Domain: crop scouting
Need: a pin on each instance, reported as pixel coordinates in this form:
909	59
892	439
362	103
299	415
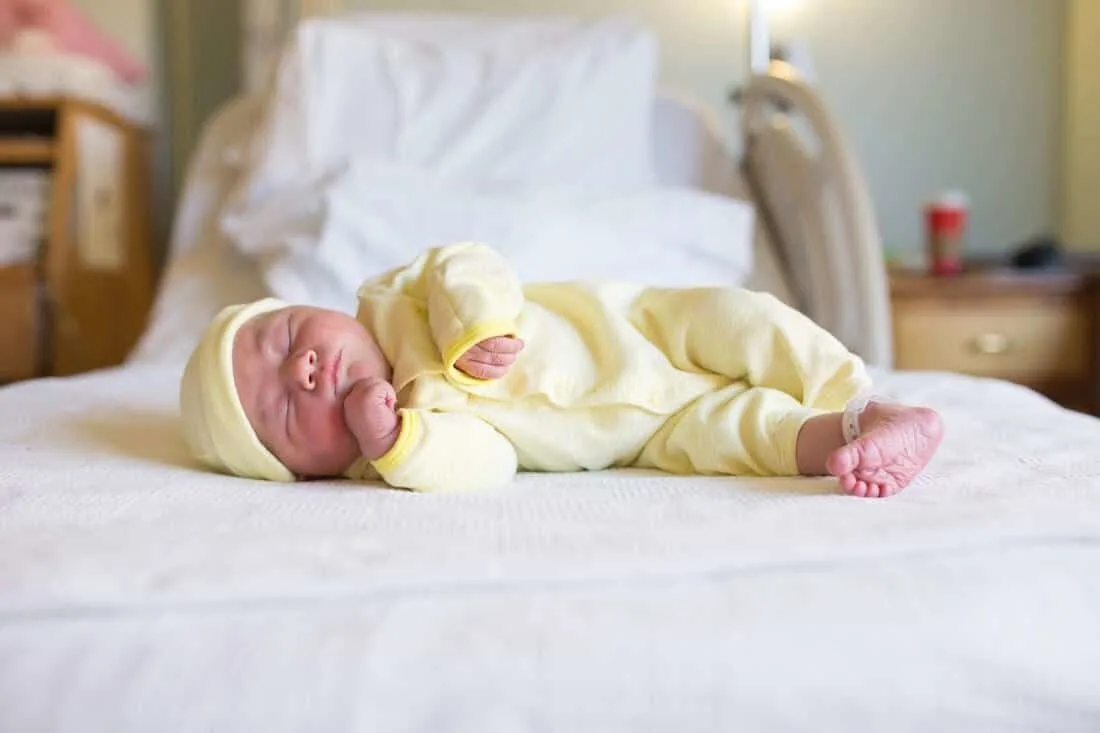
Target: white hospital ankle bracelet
852	411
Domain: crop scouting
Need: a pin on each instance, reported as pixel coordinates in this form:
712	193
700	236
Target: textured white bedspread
138	594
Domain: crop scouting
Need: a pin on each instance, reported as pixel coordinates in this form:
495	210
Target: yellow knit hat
214	422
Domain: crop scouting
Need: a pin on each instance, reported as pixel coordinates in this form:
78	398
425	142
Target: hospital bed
140	594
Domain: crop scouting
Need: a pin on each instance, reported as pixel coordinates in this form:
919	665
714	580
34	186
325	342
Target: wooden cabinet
20	341
80	300
1037	330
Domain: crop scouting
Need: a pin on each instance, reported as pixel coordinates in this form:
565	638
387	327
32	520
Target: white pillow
319	250
554	103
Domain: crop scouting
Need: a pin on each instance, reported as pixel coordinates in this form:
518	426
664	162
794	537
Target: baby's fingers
474	368
484	371
483	365
479	355
502	345
491	358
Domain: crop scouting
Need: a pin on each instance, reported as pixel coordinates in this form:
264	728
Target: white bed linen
386	135
317	250
206	271
138	594
471	97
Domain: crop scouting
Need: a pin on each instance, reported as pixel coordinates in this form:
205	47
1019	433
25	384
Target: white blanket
318	249
139	594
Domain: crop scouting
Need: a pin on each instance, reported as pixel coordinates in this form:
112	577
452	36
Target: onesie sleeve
447	452
469	291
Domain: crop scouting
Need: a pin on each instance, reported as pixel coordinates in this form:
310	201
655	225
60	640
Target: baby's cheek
324	423
343	436
332	422
331	437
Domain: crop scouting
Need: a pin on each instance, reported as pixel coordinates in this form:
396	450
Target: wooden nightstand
1039	330
79	298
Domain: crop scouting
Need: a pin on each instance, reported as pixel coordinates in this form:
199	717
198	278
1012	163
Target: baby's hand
491	358
370	411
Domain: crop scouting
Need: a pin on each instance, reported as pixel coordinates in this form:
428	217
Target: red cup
945	219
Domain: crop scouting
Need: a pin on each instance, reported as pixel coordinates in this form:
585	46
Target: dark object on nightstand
1040	253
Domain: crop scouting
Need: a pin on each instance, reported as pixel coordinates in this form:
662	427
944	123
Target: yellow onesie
705	381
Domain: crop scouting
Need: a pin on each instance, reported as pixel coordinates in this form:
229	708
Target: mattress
138	593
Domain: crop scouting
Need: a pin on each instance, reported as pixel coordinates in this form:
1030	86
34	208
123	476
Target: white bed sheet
139	594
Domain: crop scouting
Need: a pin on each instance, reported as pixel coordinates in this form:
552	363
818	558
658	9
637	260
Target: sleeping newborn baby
453	376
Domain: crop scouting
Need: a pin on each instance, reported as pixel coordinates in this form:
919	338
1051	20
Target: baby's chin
323	467
341	451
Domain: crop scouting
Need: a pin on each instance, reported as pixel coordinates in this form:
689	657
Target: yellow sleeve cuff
471	338
411	429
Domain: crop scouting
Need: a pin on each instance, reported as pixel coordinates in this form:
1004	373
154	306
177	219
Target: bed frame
814	203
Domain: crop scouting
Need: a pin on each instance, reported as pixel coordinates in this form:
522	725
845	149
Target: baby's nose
304	369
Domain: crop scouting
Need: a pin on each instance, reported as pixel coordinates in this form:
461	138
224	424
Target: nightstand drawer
1025	339
18	324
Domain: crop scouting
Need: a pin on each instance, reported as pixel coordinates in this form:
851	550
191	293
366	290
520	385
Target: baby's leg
756	431
753	338
895	443
792	375
736	431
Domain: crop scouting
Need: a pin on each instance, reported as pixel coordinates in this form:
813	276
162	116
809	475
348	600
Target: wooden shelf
99	284
19	314
15	276
15	151
50	102
1039	329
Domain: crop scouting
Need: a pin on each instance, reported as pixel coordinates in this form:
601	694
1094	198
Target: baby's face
292	368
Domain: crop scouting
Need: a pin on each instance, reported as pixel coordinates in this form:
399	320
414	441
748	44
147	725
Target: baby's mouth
333	374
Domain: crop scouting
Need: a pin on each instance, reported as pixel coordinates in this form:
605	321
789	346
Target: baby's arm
472	298
453	452
423	450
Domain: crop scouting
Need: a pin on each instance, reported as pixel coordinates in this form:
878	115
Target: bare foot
896	444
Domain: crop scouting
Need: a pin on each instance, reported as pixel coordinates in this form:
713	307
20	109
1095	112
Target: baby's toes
843	461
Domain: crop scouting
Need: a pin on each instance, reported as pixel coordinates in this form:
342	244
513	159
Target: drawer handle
991	344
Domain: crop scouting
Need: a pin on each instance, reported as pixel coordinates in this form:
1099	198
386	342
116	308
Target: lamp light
763	52
759	17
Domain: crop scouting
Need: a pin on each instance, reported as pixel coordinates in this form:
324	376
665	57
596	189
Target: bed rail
815	204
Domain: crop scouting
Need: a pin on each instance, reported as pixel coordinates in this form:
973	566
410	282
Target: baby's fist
491	358
370	411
